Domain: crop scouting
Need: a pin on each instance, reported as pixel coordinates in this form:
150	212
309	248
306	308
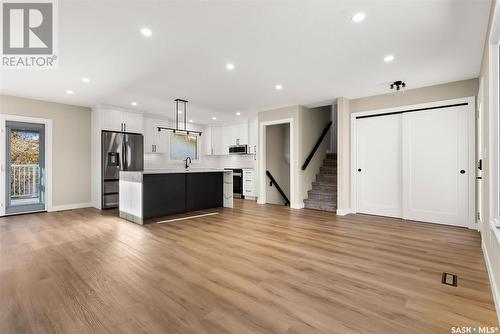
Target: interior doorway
25	180
289	178
278	164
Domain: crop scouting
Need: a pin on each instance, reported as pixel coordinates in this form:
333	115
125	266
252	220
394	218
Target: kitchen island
162	192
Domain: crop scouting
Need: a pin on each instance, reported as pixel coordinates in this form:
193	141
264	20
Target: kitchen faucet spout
187	164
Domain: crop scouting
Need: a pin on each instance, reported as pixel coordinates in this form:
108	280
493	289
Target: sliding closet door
435	166
378	169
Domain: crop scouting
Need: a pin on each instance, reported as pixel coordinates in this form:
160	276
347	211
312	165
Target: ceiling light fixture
238	114
146	32
214	118
398	85
230	67
388	58
133	103
181	125
190	121
85	80
278	87
358	17
70	92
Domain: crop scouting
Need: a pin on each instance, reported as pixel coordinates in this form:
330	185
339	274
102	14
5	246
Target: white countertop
178	171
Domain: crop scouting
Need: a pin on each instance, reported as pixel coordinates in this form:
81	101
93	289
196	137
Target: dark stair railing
273	181
316	146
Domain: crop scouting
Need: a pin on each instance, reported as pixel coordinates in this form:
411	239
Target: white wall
70	146
490	242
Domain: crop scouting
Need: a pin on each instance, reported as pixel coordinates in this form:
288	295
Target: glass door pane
25	162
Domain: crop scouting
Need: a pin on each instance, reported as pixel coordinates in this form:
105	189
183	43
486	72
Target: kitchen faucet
187	165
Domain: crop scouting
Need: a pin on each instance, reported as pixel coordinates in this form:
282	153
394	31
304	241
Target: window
182	146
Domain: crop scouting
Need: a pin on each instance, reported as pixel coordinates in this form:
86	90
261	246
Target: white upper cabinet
219	138
155	141
133	122
207	140
238	134
120	120
218	141
112	120
253	135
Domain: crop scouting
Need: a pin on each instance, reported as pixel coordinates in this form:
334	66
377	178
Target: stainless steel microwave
238	149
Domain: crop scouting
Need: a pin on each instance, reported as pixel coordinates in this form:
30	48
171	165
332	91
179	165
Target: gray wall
71	145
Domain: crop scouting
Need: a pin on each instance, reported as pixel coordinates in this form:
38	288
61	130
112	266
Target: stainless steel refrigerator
120	152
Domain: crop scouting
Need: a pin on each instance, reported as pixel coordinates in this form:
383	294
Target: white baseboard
493	282
70	206
297	205
343	212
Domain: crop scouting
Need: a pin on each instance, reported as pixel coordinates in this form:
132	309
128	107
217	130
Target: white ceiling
312	48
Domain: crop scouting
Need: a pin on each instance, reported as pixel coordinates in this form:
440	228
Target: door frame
262	199
471	100
48	157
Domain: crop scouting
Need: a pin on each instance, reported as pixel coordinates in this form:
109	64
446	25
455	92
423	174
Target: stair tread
322	192
318	201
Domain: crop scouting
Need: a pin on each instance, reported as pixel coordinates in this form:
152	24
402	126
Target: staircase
323	195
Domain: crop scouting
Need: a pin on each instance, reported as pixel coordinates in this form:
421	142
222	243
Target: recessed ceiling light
358	17
133	103
146	32
69	91
190	121
214	118
86	80
179	111
230	66
238	114
278	87
388	58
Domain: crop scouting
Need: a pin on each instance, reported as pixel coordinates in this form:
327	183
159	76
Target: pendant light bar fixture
180	110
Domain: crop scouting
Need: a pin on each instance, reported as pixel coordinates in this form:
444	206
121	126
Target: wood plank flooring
252	269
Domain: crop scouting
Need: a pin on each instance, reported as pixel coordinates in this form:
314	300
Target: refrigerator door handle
124	157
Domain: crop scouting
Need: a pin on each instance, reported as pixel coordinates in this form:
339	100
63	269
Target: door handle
462	171
359	169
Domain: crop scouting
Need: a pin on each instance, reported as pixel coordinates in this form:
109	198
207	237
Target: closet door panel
435	163
378	169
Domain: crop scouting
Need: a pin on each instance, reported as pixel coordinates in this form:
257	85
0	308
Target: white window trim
494	134
198	149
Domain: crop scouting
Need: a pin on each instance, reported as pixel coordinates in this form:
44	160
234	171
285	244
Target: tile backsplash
155	160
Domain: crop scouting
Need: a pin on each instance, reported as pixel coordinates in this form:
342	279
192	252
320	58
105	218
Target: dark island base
169	194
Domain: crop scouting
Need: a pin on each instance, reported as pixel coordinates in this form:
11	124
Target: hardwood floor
252	269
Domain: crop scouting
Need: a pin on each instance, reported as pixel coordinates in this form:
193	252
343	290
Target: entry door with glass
25	167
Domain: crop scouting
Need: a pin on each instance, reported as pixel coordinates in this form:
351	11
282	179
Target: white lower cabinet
248	183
